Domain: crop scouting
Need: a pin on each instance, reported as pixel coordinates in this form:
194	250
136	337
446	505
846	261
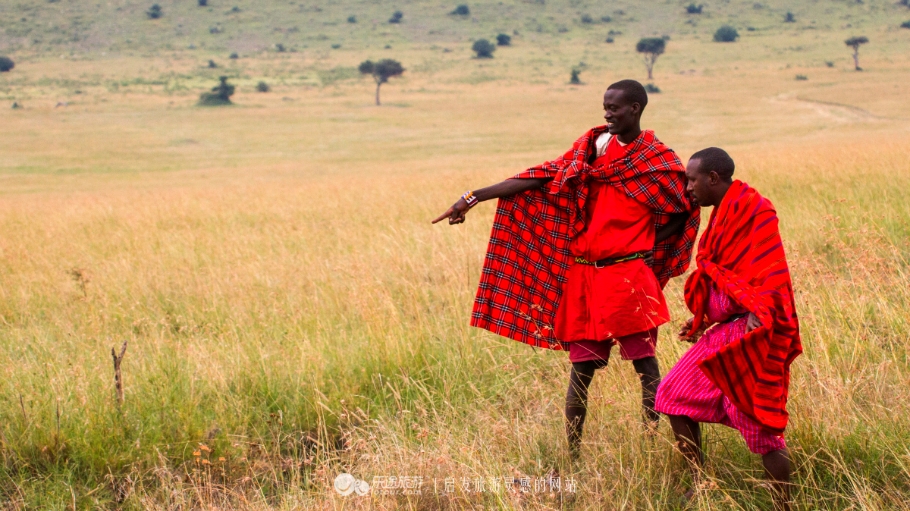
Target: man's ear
713	178
636	108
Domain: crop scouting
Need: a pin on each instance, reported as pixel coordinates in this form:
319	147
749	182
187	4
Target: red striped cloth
742	254
527	258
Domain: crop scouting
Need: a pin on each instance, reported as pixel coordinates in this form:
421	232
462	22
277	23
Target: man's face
698	184
621	116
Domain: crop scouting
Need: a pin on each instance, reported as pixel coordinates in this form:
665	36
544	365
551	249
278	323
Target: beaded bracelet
470	198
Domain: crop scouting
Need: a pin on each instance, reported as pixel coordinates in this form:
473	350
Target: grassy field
290	312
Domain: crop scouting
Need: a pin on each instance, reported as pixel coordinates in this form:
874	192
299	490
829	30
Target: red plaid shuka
527	258
742	254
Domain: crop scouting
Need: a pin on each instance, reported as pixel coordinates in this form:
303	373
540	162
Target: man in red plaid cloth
582	247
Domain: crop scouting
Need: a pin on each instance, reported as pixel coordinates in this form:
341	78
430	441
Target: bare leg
577	401
649	372
688	440
778	467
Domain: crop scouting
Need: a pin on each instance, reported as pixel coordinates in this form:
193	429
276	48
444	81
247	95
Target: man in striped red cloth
738	372
581	249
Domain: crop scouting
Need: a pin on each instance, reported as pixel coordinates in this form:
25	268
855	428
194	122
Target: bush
154	12
220	95
461	10
801	78
653	89
212	64
694	9
483	48
203	3
503	40
610	39
235	9
905	24
726	34
829	63
6	64
575	80
280	48
263	87
336	46
215	30
396	17
586	18
789	18
606	19
234	56
352	19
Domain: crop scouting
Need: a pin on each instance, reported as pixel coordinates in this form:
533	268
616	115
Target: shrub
905	24
586	18
575	80
203	3
381	71
215	30
212	64
610	39
694	9
235	9
483	48
606	19
263	87
789	18
154	12
280	48
462	10
726	34
503	40
352	19
234	56
396	17
829	63
653	89
220	95
6	64
336	46
801	77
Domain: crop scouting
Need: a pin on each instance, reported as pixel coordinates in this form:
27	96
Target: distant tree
212	64
726	34
154	12
461	10
694	9
203	3
263	87
220	95
905	24
483	48
855	42
575	80
651	48
6	64
352	19
503	40
789	18
381	71
396	17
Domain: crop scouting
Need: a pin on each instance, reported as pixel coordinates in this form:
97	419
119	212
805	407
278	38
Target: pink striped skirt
685	390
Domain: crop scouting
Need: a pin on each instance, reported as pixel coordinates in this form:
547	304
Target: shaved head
633	92
717	160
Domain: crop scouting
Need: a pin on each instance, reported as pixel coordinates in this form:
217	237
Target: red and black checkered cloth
742	255
528	255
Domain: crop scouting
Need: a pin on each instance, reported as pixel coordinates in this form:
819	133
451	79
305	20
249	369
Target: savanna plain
290	313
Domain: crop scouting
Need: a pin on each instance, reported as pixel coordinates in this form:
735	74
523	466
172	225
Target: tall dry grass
284	331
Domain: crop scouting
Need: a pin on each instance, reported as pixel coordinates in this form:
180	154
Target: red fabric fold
527	258
742	254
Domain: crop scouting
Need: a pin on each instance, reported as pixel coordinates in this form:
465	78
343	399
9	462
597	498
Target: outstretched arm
457	211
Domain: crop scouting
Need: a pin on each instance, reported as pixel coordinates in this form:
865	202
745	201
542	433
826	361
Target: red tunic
618	300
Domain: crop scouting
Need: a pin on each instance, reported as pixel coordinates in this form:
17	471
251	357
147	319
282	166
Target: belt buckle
597	264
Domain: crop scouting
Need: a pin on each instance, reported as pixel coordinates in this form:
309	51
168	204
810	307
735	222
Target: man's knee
647	366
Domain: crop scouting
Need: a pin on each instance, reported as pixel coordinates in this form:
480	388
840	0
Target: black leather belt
609	261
